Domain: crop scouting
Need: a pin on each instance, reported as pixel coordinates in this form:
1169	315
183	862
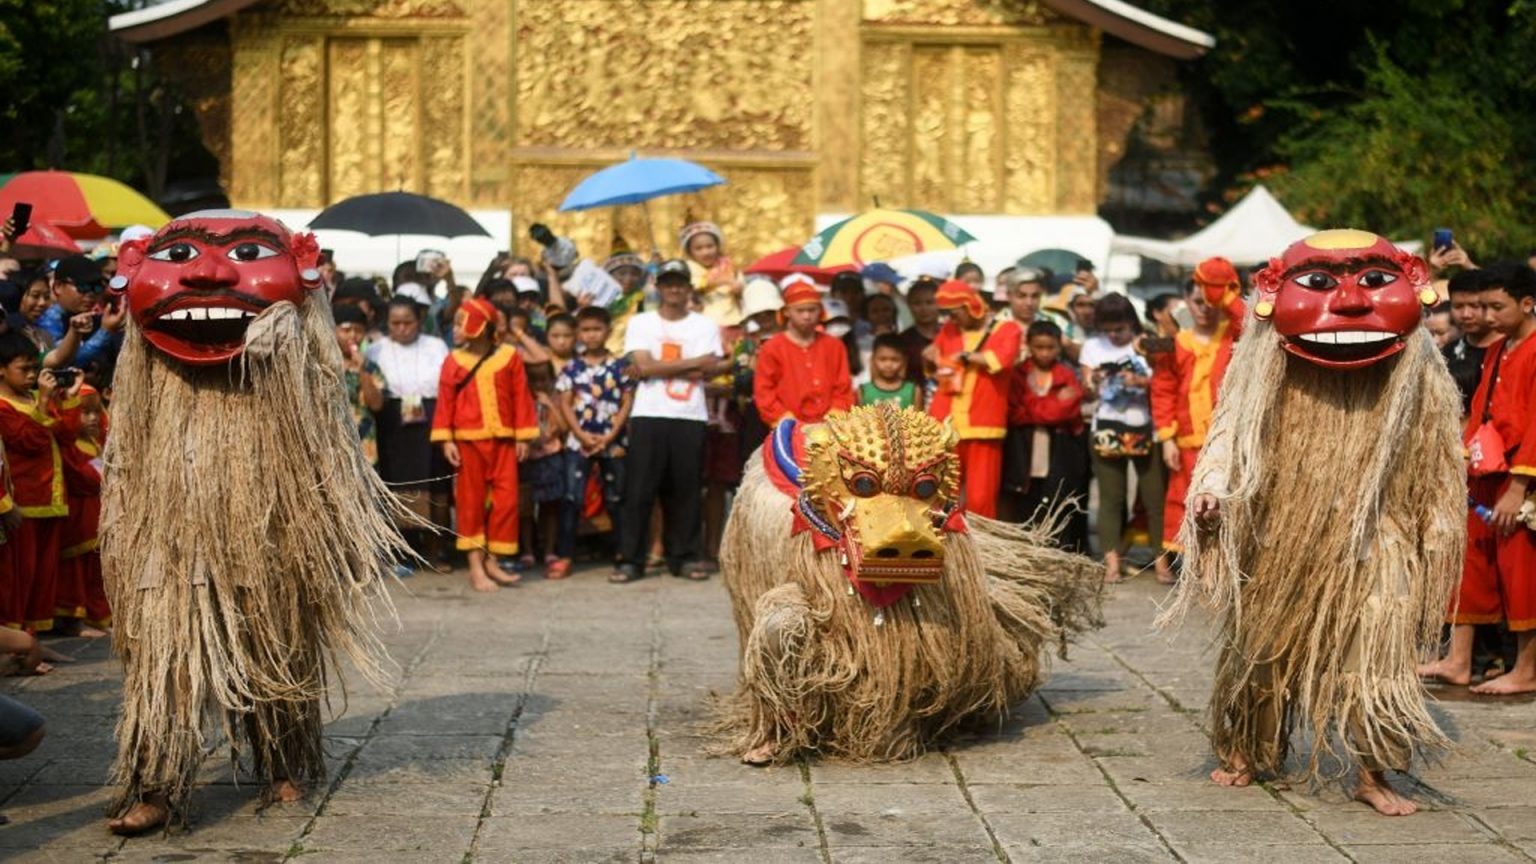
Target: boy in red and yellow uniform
1498	580
1185	380
484	419
801	372
82	597
32	422
973	358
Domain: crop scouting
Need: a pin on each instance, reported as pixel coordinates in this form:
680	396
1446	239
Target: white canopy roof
1255	229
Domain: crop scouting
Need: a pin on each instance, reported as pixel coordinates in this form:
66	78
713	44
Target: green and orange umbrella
880	235
84	206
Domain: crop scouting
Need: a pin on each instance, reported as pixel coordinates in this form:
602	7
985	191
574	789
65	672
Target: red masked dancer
485	419
1499	580
973	358
244	536
1185	380
1325	520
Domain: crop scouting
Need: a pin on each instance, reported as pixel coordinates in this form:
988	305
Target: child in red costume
82	598
34	414
1185	381
1047	460
484	420
801	371
1498	582
973	358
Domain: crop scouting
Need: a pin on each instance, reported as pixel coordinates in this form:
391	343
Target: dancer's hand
1207	508
451	453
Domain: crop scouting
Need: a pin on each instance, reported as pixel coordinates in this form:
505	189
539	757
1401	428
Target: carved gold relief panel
727	74
953	12
256	56
489	44
977	123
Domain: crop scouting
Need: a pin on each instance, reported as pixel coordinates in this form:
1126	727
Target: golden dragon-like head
887	480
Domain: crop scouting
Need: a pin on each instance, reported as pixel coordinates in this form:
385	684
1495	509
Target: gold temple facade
804	106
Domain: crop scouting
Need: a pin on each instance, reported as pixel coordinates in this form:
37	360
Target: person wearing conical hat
715	277
628	269
972	358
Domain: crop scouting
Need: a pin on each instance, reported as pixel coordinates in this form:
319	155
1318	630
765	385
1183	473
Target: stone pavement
559	722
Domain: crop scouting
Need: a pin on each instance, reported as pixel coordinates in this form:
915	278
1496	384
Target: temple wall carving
805	106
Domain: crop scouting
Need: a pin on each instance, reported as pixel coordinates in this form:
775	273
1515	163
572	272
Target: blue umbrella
636	181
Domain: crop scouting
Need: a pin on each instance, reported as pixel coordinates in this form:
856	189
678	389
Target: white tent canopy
1254	230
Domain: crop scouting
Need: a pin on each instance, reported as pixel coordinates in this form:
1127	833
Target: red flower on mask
1342	299
195	286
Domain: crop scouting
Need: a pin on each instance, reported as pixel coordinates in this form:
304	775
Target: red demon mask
196	284
1343	299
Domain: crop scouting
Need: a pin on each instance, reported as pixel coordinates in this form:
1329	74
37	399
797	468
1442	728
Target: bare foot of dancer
284	792
498	575
1507	684
1238	776
1446	672
1164	569
1374	790
150	813
760	755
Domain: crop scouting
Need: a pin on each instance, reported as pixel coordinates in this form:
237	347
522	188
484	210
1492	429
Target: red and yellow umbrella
84	206
782	263
880	235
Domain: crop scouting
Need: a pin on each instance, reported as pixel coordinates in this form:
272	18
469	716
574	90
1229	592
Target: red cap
478	313
955	294
801	294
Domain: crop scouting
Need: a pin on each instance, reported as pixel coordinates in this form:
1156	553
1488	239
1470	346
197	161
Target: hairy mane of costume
873	616
1336	462
245	539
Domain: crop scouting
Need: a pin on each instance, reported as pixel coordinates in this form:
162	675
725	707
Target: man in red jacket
801	372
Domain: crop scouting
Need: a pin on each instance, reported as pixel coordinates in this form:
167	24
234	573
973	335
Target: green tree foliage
1394	115
73	98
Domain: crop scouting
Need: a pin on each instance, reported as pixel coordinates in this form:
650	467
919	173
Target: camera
559	252
65	378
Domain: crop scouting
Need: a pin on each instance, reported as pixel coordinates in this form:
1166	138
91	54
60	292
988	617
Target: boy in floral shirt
595	398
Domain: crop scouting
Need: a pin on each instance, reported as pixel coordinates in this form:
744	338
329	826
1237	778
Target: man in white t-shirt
672	351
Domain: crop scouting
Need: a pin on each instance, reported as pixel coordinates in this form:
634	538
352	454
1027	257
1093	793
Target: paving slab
527	726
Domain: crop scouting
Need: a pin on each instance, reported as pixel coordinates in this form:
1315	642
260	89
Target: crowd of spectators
541	423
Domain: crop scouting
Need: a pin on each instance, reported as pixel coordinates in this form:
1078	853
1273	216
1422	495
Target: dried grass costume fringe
1338	547
244	541
818	674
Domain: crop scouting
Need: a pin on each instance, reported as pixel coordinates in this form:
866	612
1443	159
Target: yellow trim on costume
1520	625
466	544
438	436
6	504
1202	401
38	625
1524	470
490	408
79	549
88	447
100	623
1170	546
993	364
57	505
960	403
1167	432
69	611
496	547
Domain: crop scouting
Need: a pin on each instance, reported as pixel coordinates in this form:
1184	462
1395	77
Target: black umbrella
398	213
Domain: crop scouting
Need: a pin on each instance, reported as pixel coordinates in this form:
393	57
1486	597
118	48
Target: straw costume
873	615
1331	463
244	537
